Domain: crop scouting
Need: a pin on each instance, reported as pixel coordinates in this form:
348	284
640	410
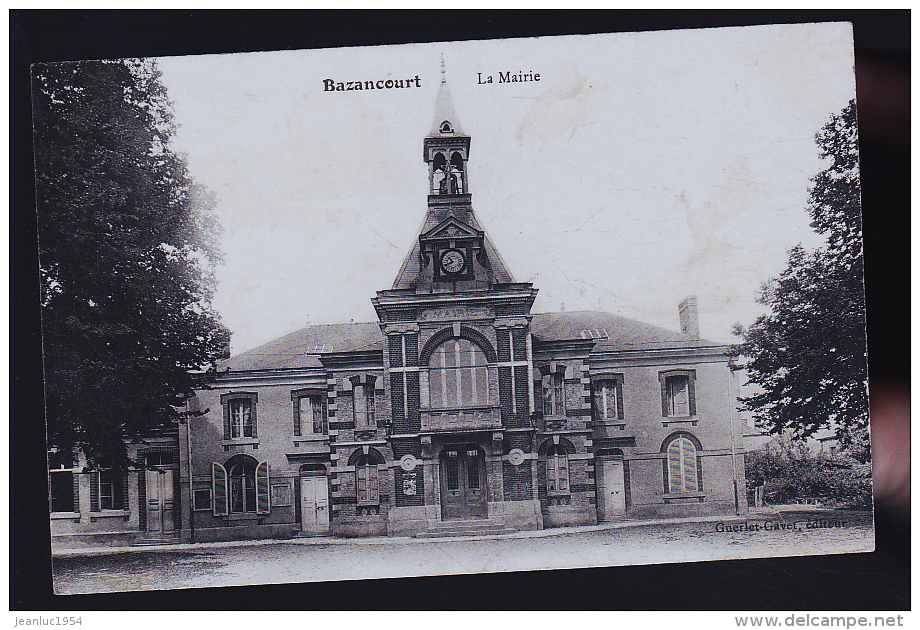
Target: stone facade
459	408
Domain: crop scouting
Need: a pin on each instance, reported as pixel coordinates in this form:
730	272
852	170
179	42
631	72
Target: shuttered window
366	482
557	471
63	494
678	394
608	399
311	416
682	472
241	418
554	394
220	489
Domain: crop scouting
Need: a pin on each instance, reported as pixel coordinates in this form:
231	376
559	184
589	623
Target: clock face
452	261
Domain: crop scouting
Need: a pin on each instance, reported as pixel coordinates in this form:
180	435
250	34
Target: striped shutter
94	491
562	465
220	489
664	395
373	488
619	385
263	496
691	392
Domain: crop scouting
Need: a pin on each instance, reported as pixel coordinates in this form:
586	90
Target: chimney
689	317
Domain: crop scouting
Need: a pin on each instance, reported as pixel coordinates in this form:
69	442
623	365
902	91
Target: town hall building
459	411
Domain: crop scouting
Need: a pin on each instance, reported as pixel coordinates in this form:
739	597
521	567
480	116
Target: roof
611	331
303	348
444	110
411	267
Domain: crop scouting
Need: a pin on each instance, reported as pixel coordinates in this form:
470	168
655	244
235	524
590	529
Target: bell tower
453	253
447	148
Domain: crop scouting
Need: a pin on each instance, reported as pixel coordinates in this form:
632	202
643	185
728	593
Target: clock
452	261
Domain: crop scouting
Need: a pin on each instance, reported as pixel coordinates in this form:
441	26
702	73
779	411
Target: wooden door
314	505
160	501
612	490
463	482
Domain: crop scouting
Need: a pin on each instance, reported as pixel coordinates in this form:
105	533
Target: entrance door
314	504
612	491
463	480
160	505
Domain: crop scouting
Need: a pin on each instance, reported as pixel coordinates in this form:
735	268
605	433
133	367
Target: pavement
389	540
299	560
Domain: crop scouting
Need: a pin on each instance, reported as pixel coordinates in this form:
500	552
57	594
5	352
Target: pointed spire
444	111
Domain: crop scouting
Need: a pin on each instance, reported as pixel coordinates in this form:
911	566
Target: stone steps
476	527
149	541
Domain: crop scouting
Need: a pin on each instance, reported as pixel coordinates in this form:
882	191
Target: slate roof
444	110
611	331
302	348
408	273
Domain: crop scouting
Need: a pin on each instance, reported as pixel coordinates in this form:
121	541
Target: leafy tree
808	354
127	249
789	472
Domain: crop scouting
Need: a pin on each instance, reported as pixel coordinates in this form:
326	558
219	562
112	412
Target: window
370	406
364	403
682	469
608	399
243	486
677	394
366	481
557	470
110	489
458	375
309	414
239	415
63	496
554	394
240	418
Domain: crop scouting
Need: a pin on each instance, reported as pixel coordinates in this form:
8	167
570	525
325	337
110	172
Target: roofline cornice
721	351
384	302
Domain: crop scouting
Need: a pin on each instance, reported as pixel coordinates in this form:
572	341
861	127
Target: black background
873	581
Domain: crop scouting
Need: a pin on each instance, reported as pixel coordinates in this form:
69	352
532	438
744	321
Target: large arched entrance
463	482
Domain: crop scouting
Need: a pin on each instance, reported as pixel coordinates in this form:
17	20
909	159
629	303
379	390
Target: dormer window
446	127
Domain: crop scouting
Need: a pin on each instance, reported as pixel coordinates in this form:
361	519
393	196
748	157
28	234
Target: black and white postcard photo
452	308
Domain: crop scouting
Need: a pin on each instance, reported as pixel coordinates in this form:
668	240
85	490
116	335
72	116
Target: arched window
458	375
367	481
682	470
242	473
446	127
557	470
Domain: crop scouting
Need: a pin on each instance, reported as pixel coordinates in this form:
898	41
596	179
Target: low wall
567	516
358	526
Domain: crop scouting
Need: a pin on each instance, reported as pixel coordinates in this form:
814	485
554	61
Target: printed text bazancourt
331	85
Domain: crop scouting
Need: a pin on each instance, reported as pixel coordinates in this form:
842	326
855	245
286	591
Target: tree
808	354
127	250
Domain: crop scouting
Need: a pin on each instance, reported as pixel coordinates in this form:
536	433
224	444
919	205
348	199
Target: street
306	560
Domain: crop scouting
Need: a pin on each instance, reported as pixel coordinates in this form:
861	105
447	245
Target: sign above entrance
454	312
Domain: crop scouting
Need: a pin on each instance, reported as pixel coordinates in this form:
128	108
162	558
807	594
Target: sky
641	168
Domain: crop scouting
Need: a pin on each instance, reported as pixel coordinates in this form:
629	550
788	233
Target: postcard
457	307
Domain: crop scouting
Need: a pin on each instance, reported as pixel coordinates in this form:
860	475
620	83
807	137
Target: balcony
467	419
